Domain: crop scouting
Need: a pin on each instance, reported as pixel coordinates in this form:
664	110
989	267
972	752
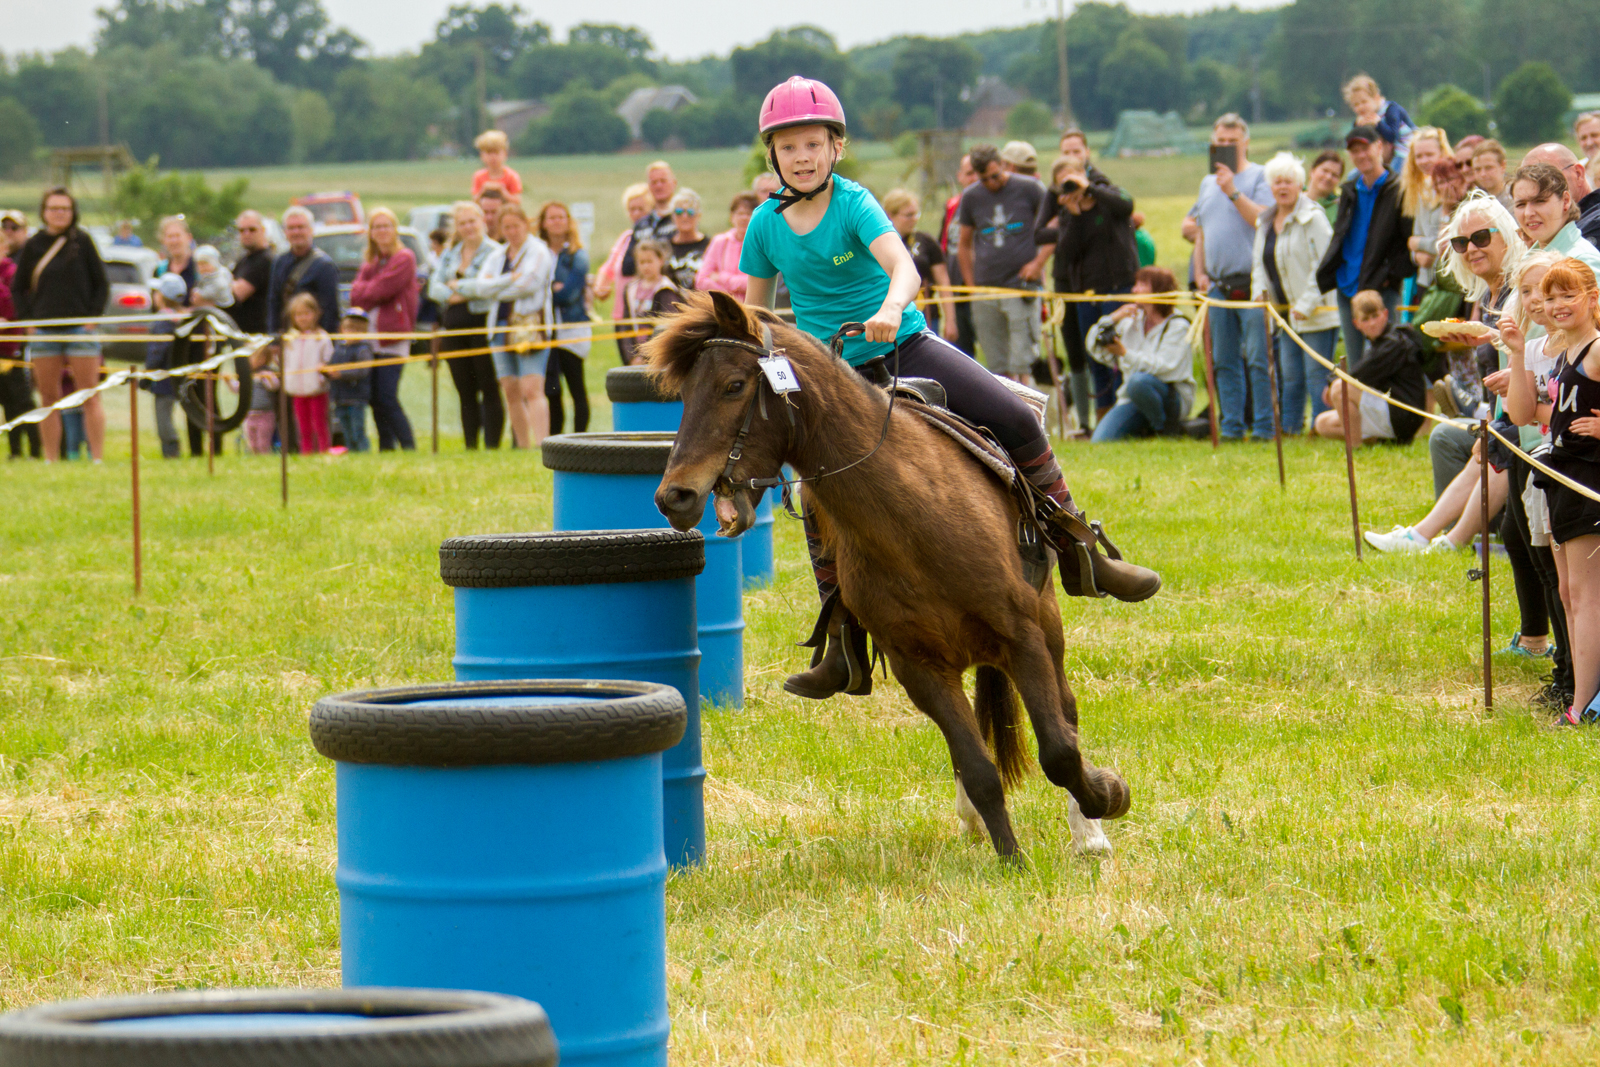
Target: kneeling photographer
1095	253
1151	343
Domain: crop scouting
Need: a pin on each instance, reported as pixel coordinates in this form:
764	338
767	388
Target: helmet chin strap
787	201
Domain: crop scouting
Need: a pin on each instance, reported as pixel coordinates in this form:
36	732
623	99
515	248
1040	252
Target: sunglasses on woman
1479	238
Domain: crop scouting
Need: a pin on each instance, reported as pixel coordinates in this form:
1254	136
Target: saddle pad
972	438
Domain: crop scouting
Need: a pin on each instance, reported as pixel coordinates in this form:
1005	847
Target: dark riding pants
979	397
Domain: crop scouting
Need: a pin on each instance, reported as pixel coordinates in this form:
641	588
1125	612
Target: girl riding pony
844	262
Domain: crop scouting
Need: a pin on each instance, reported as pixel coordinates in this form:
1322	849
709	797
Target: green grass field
1335	855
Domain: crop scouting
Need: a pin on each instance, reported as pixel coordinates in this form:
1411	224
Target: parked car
347	247
129	270
333	209
432	217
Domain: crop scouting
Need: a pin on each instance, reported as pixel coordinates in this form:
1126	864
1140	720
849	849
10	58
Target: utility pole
1255	89
483	88
1061	64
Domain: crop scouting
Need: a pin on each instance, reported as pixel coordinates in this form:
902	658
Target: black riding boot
840	664
1086	571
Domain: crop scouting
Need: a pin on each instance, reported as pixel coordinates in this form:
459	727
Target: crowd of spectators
1448	277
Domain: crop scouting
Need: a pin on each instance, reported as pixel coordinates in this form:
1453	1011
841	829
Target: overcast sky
682	30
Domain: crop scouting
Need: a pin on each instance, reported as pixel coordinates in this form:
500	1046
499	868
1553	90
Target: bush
21	139
579	121
717	123
148	194
1455	111
656	127
1529	104
907	145
1029	119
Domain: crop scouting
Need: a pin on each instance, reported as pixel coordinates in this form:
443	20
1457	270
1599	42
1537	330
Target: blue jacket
320	279
350	386
572	269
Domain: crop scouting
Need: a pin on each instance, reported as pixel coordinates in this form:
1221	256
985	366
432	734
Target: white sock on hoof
968	816
1087	836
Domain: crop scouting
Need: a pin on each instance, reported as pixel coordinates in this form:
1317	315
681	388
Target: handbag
523	331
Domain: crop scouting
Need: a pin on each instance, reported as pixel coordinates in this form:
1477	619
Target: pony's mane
672	351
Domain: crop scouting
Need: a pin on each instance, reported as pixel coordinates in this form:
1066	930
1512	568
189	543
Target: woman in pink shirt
720	268
387	288
637	202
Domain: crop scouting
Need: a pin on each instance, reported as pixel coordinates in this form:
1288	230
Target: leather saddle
931	403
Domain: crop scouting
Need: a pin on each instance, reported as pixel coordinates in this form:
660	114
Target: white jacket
526	287
1300	248
1163	353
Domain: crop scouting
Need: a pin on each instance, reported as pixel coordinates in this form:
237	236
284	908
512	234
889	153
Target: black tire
497	561
194	404
608	453
410	1028
388	726
635	385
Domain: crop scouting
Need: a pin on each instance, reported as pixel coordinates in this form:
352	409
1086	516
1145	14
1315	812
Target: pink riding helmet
801	102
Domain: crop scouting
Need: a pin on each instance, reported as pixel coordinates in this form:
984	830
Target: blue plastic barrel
606	604
637	406
506	836
608	481
759	566
250	1027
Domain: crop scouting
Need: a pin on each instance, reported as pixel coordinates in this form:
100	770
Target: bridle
758	402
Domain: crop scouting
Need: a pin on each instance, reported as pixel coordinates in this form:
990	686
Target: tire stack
506	836
605	604
277	1027
608	481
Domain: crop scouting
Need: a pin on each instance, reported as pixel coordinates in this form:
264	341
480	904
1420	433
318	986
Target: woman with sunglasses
1480	248
844	262
1480	251
687	248
1548	213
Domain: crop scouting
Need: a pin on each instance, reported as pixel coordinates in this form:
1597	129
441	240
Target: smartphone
1227	155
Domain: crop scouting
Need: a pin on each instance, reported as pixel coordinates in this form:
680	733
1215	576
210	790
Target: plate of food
1463	331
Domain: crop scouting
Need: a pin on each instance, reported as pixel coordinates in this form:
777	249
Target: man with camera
1095	253
1223	225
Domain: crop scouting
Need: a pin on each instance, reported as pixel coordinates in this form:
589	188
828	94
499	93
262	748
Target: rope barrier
1434	417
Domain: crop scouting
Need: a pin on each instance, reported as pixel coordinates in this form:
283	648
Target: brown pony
924	538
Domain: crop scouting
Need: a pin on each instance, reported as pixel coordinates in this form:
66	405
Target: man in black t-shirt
252	274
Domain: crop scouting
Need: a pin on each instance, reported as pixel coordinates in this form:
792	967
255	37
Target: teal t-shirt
832	277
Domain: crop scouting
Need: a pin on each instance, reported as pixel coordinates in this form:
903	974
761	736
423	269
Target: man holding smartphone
1224	222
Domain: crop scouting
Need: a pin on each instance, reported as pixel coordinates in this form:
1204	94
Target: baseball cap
1364	134
1019	154
356	313
14	217
172	286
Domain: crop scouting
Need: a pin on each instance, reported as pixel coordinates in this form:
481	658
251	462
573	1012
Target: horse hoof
1120	797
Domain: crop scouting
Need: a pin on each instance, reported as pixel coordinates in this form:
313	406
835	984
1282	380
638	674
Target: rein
765	351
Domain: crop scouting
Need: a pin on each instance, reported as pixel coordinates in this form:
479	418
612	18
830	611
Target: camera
1070	185
1106	336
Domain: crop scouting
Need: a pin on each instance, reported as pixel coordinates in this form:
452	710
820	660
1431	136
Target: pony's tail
1000	719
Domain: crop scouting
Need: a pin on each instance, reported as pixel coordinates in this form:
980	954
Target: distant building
641	102
513	116
992	100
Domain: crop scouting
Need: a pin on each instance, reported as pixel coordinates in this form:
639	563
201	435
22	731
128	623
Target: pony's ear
730	314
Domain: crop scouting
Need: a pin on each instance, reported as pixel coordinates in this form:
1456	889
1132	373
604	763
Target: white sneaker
1399	539
1442	543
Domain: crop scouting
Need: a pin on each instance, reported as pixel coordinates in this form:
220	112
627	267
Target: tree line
204	83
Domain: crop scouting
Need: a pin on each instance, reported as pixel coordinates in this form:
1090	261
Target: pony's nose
674	500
